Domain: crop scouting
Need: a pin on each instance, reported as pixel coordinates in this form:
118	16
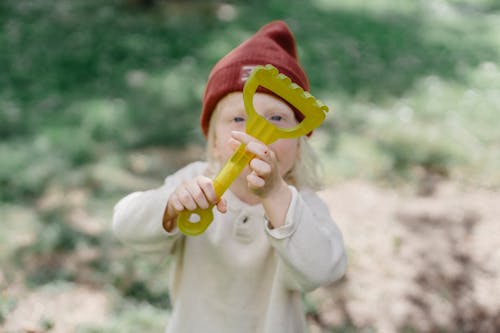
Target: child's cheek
224	150
240	126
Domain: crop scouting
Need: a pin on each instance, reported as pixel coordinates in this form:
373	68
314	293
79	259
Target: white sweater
239	276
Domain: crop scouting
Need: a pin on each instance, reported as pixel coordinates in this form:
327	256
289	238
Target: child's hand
190	195
264	179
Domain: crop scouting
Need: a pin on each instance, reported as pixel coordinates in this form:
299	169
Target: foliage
134	317
89	90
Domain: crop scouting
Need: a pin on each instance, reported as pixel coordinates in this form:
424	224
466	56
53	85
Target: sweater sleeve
310	245
137	218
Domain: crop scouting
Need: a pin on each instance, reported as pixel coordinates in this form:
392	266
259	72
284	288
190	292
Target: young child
272	238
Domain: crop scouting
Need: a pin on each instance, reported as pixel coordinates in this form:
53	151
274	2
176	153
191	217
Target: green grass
87	78
440	126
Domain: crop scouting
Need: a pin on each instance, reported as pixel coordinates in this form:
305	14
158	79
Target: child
271	238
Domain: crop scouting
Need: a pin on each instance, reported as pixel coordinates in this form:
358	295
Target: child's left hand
265	178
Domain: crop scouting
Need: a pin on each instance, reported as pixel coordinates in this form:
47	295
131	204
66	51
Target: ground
418	262
427	262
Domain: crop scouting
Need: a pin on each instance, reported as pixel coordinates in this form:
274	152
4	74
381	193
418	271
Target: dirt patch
430	263
59	308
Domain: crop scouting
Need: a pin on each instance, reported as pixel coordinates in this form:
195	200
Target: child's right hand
191	194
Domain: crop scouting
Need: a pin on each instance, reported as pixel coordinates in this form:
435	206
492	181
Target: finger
260	150
208	189
245	138
233	144
254	181
253	145
176	204
222	206
260	167
242	137
186	198
197	195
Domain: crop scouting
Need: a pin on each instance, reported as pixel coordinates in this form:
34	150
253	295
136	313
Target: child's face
231	116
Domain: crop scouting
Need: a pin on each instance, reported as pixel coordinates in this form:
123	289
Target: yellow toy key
195	222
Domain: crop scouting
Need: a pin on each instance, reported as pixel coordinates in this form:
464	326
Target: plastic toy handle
195	222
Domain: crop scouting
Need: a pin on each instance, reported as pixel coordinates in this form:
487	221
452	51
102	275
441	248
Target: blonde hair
307	172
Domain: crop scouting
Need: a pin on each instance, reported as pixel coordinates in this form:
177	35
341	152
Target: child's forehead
233	102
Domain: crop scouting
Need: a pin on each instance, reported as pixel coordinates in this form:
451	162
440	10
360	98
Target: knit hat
273	44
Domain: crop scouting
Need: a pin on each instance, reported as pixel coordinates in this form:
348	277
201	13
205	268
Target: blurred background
102	98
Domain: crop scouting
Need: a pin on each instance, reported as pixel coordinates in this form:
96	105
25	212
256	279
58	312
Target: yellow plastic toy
195	222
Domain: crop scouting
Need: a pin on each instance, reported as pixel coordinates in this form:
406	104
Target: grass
441	127
89	91
133	317
113	77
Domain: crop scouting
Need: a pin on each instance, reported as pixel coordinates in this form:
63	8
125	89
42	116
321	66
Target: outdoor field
99	99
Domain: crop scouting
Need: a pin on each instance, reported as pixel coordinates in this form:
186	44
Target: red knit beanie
273	44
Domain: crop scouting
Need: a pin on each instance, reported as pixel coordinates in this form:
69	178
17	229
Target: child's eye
276	118
238	119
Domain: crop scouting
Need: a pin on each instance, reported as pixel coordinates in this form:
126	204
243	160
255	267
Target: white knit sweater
239	276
